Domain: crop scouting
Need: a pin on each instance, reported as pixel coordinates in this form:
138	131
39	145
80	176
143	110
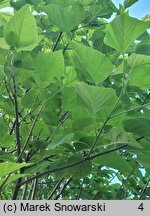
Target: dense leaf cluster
74	100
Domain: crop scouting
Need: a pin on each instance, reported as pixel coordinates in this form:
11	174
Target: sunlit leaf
122	31
140	76
96	98
49	66
91	62
21	30
65	18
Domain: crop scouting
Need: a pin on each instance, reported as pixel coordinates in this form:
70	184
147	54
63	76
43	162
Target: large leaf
65	18
144	158
137	59
122	31
140	76
78	171
129	3
103	8
119	136
9	167
4	3
21	30
12	178
96	98
6	156
114	160
92	62
49	66
143	48
3	44
58	142
138	127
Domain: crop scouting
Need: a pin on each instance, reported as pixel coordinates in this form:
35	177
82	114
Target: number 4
141	207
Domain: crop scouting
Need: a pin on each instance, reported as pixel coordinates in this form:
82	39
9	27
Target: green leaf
114	160
7	141
119	136
3	44
144	158
138	127
1	72
137	59
58	142
143	48
103	8
92	62
49	66
3	126
78	171
9	167
85	2
33	45
12	178
140	76
70	78
37	168
65	18
6	156
122	31
21	30
69	98
4	3
129	3
96	98
31	95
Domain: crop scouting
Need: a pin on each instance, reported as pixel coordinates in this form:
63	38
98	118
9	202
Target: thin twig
16	111
24	191
29	135
17	126
57	41
34	189
123	183
130	110
109	116
17	188
4	182
31	189
55	188
63	188
106	184
80	191
146	99
144	189
61	121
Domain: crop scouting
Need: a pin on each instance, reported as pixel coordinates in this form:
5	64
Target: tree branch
29	135
55	188
144	189
16	111
57	41
74	164
17	126
80	191
34	189
63	188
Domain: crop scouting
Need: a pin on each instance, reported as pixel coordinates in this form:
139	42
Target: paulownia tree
74	100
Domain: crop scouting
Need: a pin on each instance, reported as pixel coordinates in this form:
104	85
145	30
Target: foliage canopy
74	101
